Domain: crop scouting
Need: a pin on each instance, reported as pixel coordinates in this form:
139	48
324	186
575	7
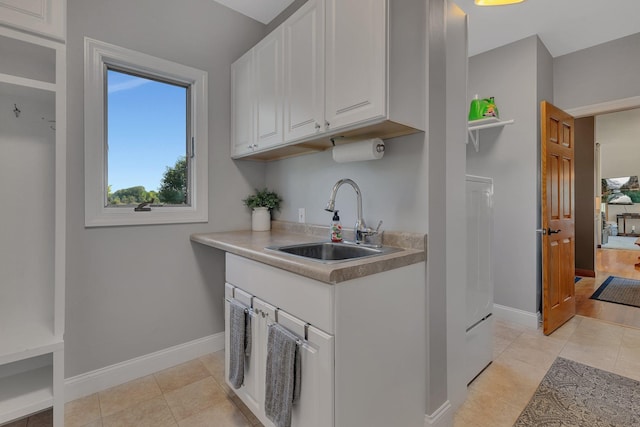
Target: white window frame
99	55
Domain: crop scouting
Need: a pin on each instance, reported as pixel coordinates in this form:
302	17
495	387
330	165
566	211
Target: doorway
616	225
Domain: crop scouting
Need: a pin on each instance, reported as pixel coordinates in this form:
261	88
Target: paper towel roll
368	149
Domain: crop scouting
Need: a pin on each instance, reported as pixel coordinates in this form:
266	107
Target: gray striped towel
239	341
282	376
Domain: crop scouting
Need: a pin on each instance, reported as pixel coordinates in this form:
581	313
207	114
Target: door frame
606	107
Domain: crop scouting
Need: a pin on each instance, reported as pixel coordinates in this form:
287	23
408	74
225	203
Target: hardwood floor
609	262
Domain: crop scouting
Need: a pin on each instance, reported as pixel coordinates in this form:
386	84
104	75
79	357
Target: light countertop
251	244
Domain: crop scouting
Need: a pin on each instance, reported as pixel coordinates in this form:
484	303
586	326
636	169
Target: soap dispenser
335	229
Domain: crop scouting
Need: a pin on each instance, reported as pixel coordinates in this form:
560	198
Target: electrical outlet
301	215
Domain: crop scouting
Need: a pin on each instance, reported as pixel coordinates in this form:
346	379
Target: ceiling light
496	2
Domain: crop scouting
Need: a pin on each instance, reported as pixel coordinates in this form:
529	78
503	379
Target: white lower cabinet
363	359
315	408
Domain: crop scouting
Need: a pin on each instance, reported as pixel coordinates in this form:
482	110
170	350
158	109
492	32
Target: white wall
601	73
510	156
135	290
618	135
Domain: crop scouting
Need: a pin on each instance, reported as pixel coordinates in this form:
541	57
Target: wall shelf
476	125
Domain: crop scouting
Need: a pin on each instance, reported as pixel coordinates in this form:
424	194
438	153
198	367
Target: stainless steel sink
329	252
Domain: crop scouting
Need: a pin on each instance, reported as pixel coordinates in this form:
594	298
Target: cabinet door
242	105
304	71
39	16
355	61
315	408
268	78
250	391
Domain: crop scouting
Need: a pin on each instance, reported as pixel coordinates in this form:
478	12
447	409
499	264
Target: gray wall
135	290
509	156
585	194
598	74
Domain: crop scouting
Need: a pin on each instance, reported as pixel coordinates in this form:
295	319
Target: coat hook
16	110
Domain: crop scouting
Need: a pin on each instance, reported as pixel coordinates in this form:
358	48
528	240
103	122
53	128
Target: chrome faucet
361	230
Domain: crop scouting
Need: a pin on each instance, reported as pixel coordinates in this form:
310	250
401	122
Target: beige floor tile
214	362
17	423
181	375
245	410
534	349
499	345
194	398
96	423
152	413
565	331
593	330
41	419
507	378
628	362
507	330
223	414
594	343
80	412
487	410
128	394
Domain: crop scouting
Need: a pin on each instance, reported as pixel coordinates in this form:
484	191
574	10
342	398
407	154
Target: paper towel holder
379	147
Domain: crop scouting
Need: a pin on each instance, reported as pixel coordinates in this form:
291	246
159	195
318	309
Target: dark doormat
577	395
619	290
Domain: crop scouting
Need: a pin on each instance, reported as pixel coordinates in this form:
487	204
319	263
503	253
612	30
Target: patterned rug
619	290
576	395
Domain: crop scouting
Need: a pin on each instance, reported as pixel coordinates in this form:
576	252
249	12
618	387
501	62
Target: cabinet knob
317	126
327	124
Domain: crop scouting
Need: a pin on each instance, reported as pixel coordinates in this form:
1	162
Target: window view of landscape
147	141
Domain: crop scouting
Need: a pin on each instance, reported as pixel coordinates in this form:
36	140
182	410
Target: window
145	139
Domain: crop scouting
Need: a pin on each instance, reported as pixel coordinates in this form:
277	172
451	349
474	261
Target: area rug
622	242
576	395
619	290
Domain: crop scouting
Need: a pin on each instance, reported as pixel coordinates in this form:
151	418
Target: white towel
282	376
239	341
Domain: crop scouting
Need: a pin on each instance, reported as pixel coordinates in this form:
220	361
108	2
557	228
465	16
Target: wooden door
558	213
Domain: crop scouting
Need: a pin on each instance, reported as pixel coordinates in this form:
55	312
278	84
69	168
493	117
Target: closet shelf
25	393
29	339
28	83
476	125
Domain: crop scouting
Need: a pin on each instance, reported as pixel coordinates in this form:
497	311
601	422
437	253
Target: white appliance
479	307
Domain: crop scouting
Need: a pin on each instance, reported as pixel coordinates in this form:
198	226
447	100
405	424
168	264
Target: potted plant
262	203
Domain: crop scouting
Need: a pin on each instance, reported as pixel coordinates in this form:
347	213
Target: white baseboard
518	316
442	417
101	379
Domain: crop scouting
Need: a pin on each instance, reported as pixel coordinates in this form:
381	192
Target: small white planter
261	219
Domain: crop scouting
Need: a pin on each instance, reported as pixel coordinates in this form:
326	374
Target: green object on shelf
483	108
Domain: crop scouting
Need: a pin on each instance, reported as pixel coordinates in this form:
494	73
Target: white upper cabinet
355	61
268	78
44	17
242	105
304	71
350	68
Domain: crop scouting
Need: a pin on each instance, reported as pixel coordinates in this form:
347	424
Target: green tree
128	196
173	186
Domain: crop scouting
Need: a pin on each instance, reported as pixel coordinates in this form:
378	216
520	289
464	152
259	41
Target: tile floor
522	357
194	394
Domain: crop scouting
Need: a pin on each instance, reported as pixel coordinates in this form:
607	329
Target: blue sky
146	130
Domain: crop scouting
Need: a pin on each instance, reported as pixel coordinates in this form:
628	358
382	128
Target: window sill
111	217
